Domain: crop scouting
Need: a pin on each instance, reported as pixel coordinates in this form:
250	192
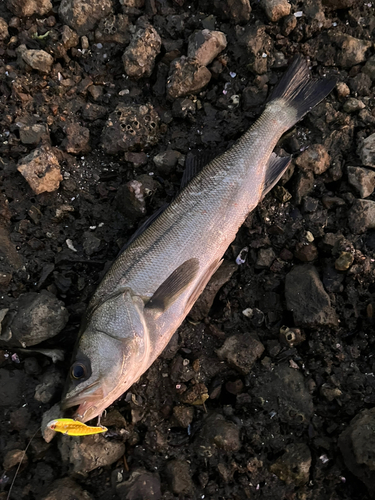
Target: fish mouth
89	402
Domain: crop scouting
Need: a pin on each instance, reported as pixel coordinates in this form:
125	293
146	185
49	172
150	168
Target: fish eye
78	371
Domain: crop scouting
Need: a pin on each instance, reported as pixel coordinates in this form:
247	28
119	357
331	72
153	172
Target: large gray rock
284	391
241	351
362	216
366	151
307	299
90	452
33	318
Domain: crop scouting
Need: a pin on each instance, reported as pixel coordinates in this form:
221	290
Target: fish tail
298	92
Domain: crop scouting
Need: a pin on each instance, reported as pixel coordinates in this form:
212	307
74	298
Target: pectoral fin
169	291
276	167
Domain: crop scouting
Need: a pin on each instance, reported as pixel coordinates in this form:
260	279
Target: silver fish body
152	285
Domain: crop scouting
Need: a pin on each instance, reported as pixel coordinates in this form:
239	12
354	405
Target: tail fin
299	91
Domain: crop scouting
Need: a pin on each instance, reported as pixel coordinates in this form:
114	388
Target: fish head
111	354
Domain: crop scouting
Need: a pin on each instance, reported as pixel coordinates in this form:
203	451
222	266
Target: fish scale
152	285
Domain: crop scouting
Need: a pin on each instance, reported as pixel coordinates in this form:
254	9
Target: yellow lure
74	427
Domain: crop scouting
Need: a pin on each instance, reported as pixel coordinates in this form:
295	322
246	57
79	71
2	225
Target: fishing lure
74	427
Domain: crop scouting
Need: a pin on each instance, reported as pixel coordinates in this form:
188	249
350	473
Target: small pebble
344	261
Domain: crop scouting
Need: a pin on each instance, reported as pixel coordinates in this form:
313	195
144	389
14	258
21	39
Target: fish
72	427
152	285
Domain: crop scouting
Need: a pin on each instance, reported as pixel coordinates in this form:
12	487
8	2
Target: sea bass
152	285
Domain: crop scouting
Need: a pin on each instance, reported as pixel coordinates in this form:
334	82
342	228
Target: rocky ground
267	391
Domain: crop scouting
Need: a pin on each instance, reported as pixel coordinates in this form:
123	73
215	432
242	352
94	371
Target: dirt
265	394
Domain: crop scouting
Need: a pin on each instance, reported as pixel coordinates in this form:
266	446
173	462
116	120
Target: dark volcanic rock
186	76
218	435
284	391
130	127
307	299
294	466
142	485
66	489
357	445
178	472
362	216
241	351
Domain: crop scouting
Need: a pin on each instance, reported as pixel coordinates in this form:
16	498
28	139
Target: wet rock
205	45
33	134
184	415
129	128
93	112
11	387
284	391
27	8
114	29
33	318
69	37
10	259
237	10
357	445
186	76
91	243
178	473
288	25
141	485
90	452
218	434
294	466
258	45
307	299
20	418
183	107
196	395
139	57
37	59
241	351
4	33
366	151
77	139
265	258
276	9
306	252
344	261
14	457
167	160
362	179
314	158
66	489
353	105
304	185
342	90
83	15
362	216
351	51
52	382
51	414
41	169
203	305
131	198
369	67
